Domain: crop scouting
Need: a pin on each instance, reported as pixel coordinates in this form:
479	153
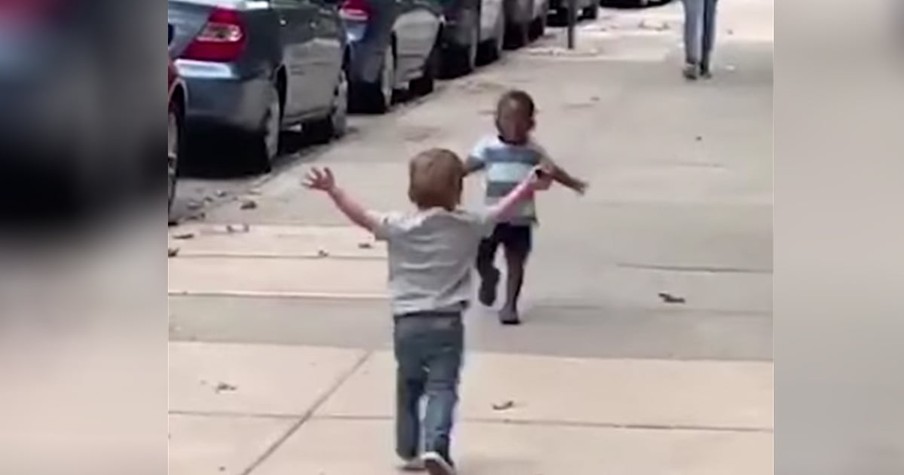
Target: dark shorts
516	239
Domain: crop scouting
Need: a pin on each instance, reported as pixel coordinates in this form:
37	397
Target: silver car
257	67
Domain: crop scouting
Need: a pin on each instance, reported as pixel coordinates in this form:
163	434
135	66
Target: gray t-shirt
431	254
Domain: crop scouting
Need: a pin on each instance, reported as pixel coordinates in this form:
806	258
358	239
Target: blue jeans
699	30
428	350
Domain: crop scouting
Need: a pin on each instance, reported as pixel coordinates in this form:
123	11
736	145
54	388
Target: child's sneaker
436	464
412	465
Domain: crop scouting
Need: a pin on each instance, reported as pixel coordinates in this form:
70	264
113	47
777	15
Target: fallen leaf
669	298
249	204
172	252
184	236
365	245
221	387
244	228
504	406
322	253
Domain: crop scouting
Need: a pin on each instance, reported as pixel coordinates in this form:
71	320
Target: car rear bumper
220	98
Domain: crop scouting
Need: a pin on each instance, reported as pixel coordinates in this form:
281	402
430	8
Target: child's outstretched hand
320	180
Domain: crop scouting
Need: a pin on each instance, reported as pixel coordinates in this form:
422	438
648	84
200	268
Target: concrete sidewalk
325	411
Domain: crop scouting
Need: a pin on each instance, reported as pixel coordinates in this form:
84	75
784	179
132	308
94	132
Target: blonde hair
435	179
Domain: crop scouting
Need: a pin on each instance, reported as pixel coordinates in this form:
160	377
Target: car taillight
221	40
355	10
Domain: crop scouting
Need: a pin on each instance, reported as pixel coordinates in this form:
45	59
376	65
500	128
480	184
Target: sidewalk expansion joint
694	269
575	424
248	415
277	295
308	414
200	255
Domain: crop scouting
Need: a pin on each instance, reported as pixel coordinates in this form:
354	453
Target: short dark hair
519	98
435	179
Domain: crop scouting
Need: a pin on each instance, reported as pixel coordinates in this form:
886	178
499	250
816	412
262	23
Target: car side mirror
172	31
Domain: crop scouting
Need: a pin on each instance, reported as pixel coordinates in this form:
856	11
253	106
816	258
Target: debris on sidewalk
249	204
504	406
242	228
322	253
699	138
365	245
197	217
172	252
222	193
669	298
183	236
224	387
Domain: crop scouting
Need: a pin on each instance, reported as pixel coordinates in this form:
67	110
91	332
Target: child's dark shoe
488	287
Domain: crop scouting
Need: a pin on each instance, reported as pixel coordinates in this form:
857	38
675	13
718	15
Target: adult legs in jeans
429	352
699	35
708	39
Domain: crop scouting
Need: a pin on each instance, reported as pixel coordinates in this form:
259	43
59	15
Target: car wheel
265	143
427	82
460	60
173	142
492	50
538	28
518	35
336	123
376	98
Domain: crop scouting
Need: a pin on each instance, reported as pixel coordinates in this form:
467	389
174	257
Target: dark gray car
394	45
586	9
257	67
474	31
525	20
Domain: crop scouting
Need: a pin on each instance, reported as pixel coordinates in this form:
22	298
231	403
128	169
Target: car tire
377	98
461	60
264	144
334	125
538	27
174	147
425	84
518	35
491	50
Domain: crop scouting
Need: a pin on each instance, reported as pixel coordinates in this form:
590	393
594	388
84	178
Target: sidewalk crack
309	414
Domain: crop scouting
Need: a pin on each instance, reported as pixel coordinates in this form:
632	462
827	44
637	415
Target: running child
507	158
431	253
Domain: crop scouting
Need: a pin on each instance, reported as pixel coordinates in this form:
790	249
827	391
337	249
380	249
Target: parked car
474	31
175	123
393	45
259	67
525	20
586	9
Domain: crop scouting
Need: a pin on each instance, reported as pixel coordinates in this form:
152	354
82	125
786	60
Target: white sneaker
436	464
412	465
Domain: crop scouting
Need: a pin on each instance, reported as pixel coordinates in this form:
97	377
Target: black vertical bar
572	20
